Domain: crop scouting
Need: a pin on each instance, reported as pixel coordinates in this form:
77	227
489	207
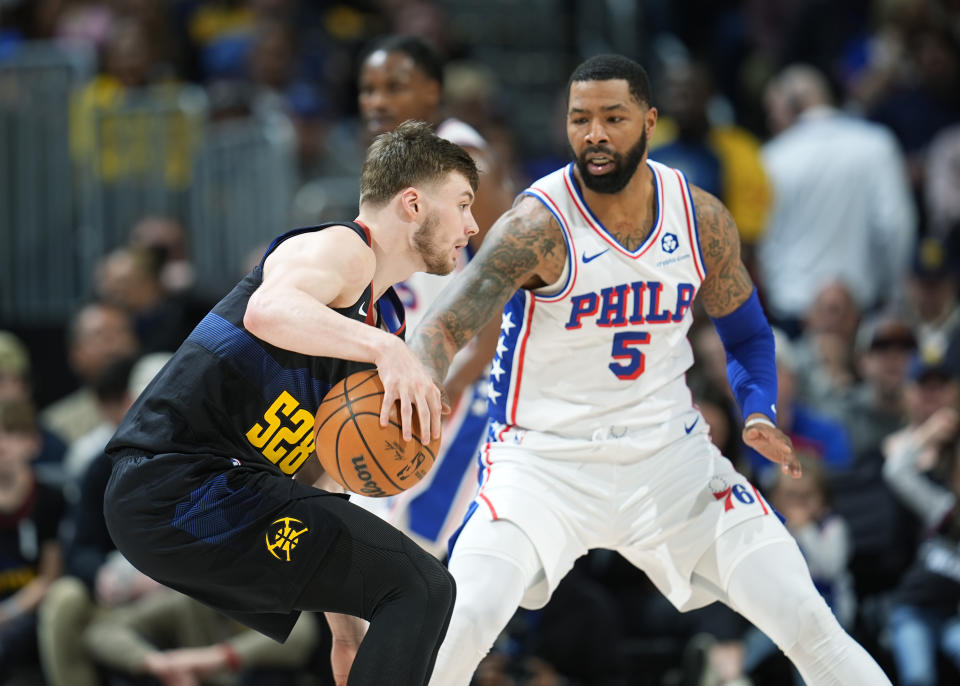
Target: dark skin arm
726	287
524	249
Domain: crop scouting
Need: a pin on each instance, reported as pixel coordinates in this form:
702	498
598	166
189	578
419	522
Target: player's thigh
500	539
370	563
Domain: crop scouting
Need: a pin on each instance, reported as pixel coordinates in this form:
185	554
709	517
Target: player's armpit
525	248
727	284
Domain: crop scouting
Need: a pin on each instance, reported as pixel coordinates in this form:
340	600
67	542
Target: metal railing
39	272
82	160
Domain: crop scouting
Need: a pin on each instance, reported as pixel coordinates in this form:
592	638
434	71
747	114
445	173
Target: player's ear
410	203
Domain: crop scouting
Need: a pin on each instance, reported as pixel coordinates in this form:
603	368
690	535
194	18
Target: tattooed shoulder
525	246
718	233
727	283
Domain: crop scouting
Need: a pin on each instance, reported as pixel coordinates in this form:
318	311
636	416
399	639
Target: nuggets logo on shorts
285	534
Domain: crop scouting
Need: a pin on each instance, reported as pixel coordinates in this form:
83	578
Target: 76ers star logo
723	491
286	531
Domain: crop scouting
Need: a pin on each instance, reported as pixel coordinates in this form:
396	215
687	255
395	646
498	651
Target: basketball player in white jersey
401	77
595	442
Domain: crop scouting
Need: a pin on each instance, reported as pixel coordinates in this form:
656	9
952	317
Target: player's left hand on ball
774	445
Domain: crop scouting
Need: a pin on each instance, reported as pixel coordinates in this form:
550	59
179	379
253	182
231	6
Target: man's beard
425	241
623	167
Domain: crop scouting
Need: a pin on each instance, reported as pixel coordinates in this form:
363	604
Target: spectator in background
179	641
116	389
932	296
96	575
842	207
130	278
121	149
30	554
810	430
99	333
933	386
168	239
874	407
15	383
926	97
721	158
113	401
925	614
824	349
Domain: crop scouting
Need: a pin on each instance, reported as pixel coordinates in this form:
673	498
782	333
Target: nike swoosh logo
362	311
592	257
688	429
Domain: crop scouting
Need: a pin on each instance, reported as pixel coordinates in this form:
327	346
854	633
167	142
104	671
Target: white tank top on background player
605	348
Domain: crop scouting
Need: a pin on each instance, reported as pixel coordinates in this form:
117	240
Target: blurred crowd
830	130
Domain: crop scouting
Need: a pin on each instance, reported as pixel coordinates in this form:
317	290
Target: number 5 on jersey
624	349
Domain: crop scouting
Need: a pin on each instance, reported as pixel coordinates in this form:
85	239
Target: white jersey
605	349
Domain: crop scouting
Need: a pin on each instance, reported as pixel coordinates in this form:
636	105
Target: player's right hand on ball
406	379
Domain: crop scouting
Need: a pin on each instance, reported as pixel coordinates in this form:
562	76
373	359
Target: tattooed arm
727	284
524	249
727	293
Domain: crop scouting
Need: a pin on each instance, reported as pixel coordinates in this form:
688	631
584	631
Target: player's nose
471	228
596	134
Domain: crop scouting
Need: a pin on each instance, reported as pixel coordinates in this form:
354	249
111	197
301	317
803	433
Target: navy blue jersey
226	392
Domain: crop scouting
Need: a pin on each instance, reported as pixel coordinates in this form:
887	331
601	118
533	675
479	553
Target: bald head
794	90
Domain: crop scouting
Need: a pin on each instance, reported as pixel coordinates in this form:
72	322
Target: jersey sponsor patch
283	537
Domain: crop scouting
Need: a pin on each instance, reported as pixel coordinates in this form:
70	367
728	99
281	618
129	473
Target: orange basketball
356	451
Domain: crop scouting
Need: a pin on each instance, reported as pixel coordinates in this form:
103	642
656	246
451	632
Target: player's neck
390	245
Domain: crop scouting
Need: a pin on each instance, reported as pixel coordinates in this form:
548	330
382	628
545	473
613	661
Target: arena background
225	122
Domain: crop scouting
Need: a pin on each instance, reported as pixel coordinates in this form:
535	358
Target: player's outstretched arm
308	275
730	299
524	249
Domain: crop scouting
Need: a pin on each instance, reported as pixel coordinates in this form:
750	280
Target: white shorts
660	510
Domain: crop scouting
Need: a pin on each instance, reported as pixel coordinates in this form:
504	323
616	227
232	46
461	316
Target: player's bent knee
815	622
428	583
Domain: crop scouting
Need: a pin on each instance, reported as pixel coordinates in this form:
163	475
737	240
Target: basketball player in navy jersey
595	441
401	77
201	496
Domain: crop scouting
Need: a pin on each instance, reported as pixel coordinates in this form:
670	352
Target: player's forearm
303	325
435	348
471	365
